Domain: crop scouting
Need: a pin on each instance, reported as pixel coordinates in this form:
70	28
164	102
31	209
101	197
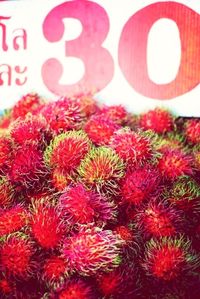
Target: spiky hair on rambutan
174	163
100	129
169	259
82	206
76	288
7	192
158	219
46	224
102	170
88	105
59	179
185	194
63	115
28	170
6	152
116	113
27	104
133	147
139	185
13	219
91	250
54	271
192	131
158	120
6	287
5	120
16	256
31	129
66	151
172	140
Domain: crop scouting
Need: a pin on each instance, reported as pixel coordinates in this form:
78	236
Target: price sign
141	54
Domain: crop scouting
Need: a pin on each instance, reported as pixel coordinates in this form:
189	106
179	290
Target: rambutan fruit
66	151
87	104
13	219
5	120
92	250
169	258
133	147
31	129
27	104
28	170
138	185
6	151
192	131
116	113
82	206
157	219
158	120
6	192
77	289
54	270
16	256
174	163
46	225
102	170
100	129
63	115
185	194
60	180
6	288
170	140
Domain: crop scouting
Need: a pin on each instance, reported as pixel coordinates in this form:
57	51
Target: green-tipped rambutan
169	258
92	250
102	169
7	192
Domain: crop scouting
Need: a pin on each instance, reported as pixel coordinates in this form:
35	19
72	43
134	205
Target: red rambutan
158	220
82	206
192	131
174	163
60	180
100	129
102	169
5	153
28	170
169	258
13	220
116	113
46	225
5	120
6	192
139	185
133	147
63	115
27	104
92	250
88	105
157	120
77	289
16	256
67	150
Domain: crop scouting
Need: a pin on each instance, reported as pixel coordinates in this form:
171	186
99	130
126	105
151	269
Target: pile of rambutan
98	203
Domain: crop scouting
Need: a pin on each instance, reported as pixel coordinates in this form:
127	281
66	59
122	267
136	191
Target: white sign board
141	54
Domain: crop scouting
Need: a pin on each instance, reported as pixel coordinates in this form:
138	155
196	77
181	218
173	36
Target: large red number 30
99	66
133	48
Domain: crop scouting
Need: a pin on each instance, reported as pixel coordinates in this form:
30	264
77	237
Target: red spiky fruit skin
157	120
32	129
100	129
156	219
88	105
28	170
77	289
6	192
5	154
192	131
168	259
67	150
60	180
175	163
92	250
116	113
54	270
138	185
132	147
82	206
13	219
63	115
16	257
5	288
28	103
47	226
5	120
